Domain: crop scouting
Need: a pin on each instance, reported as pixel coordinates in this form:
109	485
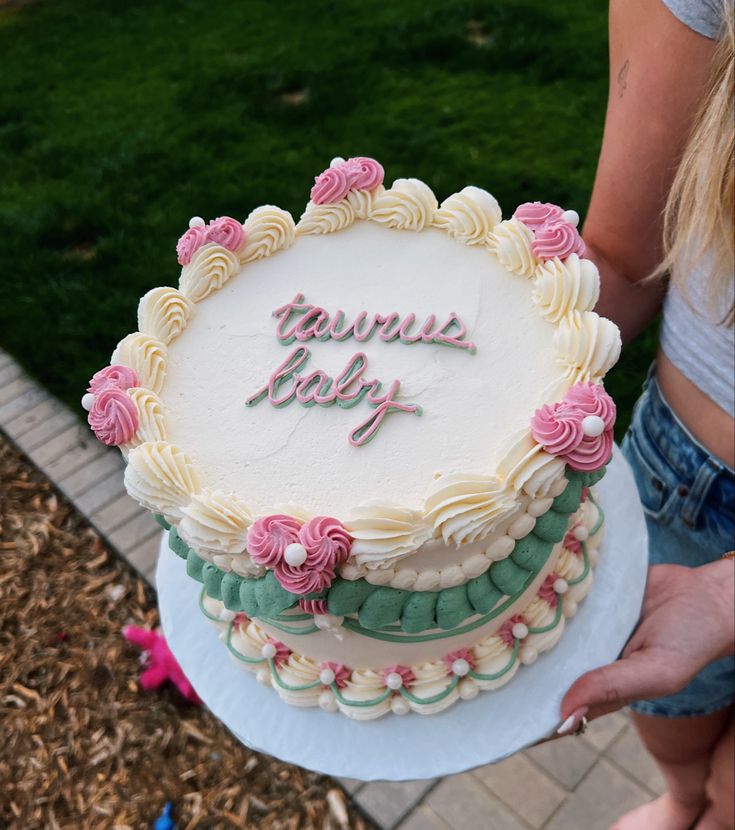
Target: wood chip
82	746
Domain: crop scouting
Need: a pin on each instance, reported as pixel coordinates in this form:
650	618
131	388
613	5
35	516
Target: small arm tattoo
623	78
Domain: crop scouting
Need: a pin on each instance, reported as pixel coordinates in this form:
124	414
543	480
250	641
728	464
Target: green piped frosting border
411	611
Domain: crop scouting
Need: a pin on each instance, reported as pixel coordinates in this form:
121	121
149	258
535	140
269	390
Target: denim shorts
688	497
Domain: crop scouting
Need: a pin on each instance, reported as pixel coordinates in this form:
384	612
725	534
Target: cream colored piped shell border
458	508
490	654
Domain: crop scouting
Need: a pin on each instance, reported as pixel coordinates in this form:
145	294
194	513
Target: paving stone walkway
576	783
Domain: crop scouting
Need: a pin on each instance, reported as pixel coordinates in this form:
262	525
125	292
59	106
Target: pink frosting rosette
364	173
558	430
304	579
227	232
330	186
404	672
591	453
269	536
547	593
326	541
189	243
535	214
113	416
459	654
557	239
341	673
326	544
116	376
314	606
505	632
592	399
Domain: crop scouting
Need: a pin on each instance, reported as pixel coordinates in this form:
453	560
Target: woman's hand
687	621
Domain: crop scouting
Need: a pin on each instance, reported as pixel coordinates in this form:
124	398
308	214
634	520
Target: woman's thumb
613	686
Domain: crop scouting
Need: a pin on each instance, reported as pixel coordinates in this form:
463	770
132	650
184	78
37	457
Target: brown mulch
81	746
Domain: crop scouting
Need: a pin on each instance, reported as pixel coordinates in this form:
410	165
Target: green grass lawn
118	121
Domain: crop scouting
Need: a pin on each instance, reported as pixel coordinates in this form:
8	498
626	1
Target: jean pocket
656	482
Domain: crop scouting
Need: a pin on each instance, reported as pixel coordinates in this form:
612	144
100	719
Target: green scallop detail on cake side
384	608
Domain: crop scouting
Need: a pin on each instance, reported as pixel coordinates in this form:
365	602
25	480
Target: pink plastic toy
160	664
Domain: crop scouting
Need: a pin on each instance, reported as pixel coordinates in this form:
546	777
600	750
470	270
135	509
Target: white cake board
472	733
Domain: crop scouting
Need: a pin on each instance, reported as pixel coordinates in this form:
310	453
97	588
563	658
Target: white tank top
701	349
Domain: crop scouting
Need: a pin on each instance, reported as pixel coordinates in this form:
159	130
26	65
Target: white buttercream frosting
511	241
326	218
361	201
526	466
151	416
267	229
144	354
163	313
215	521
409	204
464	508
210	268
384	533
562	287
587	345
469	215
161	477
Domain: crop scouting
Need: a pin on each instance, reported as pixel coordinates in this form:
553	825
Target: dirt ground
82	746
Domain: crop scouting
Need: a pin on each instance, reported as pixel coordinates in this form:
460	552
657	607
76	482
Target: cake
424	538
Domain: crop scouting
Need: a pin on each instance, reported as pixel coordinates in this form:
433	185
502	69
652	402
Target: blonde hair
698	218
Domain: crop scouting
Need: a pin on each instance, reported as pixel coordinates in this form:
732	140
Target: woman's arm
687	621
658	74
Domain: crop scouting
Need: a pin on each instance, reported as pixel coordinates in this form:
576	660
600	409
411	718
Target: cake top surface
402	366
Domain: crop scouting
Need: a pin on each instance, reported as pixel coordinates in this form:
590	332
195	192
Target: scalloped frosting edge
428	687
587	345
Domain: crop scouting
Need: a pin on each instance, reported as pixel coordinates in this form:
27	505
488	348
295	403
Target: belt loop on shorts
695	495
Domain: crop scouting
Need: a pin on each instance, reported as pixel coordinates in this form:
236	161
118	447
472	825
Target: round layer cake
373	435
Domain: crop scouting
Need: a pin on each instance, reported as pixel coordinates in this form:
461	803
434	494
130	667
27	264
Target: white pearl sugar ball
226	615
326	677
336	161
263	676
295	554
88	401
196	222
571	216
468	689
520	631
561	586
268	651
581	534
399	706
460	667
327	701
394	681
593	426
570	608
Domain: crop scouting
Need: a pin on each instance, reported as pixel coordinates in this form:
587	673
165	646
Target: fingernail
573	721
